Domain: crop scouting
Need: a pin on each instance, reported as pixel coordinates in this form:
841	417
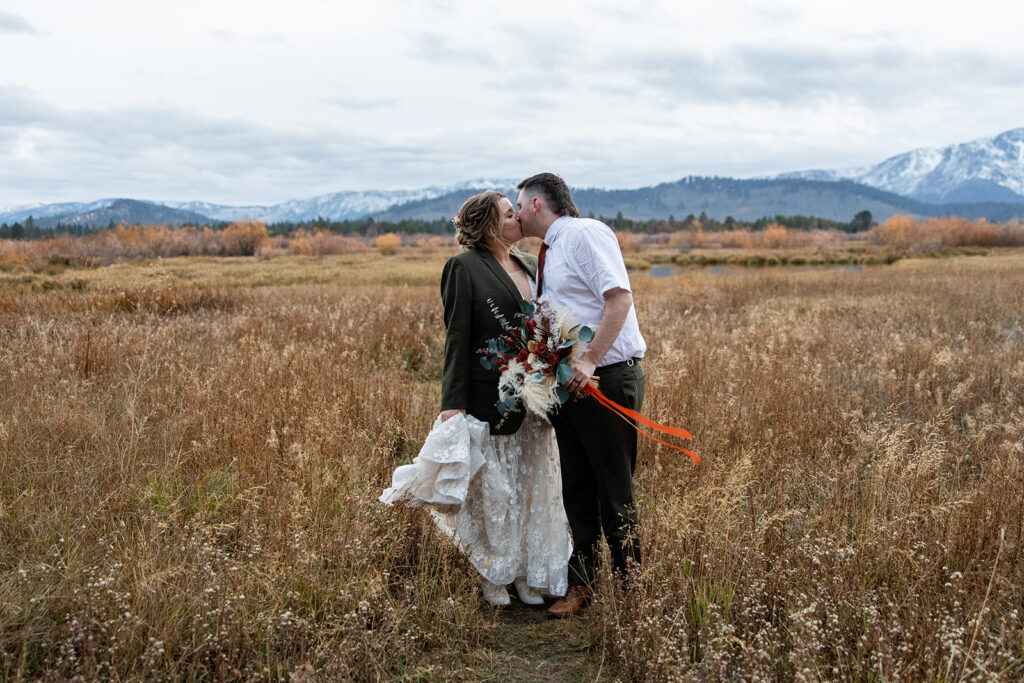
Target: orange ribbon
627	413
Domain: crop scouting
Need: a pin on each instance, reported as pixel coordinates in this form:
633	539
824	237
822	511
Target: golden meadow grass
191	452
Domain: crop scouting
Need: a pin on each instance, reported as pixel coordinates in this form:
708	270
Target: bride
511	523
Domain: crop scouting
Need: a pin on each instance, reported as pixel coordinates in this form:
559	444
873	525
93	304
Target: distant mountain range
981	178
745	200
118	211
983	170
337	206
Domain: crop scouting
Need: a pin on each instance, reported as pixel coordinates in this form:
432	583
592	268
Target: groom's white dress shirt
583	262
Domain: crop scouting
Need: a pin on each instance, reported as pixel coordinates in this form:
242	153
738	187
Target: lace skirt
512	523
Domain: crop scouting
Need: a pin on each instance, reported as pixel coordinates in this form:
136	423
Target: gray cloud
775	15
12	23
434	48
355	102
169	153
792	74
18	105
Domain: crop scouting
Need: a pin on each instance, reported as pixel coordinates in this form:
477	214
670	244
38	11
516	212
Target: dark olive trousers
597	449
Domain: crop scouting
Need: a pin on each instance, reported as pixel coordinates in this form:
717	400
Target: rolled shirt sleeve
598	261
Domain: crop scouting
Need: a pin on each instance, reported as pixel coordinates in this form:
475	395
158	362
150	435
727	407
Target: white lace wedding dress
498	497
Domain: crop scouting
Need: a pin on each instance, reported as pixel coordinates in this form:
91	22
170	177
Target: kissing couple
526	497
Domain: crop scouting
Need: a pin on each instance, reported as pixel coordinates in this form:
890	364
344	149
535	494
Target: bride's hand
446	414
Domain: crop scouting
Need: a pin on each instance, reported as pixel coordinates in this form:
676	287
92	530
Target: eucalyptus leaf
486	362
568	343
586	334
526	307
563	395
563	373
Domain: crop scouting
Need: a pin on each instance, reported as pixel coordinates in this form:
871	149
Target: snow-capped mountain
336	206
987	169
15	214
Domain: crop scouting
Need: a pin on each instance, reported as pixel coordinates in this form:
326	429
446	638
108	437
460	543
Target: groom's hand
617	302
582	370
448	414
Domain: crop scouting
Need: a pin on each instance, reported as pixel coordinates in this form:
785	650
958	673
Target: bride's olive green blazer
468	281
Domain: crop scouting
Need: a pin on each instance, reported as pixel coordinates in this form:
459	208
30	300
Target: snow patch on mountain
987	169
337	206
19	214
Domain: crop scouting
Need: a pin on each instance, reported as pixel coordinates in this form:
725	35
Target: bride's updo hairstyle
479	216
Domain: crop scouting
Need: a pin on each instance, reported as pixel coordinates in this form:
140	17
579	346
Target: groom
582	271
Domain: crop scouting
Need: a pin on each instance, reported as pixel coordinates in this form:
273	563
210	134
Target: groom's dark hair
554	191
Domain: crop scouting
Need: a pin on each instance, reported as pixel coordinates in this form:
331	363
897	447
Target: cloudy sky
257	102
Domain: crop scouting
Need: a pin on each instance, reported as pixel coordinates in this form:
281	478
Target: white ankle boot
527	594
494	594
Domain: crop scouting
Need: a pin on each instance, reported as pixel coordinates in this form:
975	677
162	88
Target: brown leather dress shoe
575	599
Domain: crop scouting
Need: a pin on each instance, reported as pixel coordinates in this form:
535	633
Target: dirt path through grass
530	646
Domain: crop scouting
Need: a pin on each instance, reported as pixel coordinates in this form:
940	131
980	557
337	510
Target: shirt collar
555	229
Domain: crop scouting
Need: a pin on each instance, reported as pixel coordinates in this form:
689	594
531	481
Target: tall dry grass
859	511
192	451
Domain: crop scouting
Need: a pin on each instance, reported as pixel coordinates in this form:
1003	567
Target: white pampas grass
538	393
511	378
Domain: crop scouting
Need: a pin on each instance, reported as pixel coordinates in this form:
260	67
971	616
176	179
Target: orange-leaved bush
244	238
388	243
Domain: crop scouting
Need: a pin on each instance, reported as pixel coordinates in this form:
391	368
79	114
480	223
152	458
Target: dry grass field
191	452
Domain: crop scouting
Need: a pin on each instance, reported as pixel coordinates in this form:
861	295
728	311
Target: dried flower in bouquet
533	356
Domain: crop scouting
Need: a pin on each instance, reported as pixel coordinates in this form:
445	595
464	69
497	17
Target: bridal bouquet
533	356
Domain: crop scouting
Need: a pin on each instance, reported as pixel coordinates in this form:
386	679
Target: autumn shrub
388	243
680	241
322	242
776	236
702	239
629	242
243	238
928	235
429	244
829	239
736	239
1010	234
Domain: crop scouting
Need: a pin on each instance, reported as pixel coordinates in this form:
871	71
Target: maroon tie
540	266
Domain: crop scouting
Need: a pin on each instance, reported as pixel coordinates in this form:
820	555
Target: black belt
611	366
